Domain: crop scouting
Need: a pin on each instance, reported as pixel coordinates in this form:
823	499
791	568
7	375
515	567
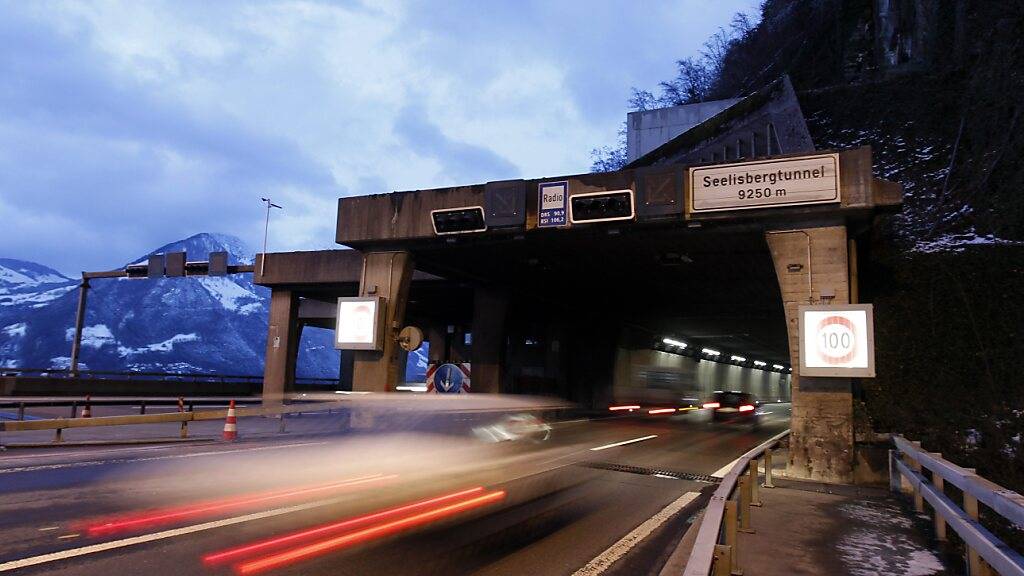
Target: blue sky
126	125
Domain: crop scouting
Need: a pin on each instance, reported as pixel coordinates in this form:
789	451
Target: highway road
609	496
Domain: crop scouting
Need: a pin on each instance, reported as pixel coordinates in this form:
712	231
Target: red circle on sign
840	321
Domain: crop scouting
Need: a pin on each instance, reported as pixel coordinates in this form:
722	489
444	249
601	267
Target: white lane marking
65	536
147	459
92	549
90	452
623	443
48	528
627	542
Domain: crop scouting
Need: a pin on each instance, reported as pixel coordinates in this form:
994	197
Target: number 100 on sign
837	341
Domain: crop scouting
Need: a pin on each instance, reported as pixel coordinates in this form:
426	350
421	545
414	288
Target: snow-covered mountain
196	324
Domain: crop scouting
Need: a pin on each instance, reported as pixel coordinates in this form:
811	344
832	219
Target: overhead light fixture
760	363
736	358
778	366
710	352
675	343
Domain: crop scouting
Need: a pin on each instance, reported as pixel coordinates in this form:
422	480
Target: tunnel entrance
627	292
587	286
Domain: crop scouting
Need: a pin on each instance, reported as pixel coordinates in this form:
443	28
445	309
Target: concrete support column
345	366
812	268
488	347
282	346
385	274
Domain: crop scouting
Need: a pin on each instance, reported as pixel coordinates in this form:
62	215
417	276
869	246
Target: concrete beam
812	267
385	274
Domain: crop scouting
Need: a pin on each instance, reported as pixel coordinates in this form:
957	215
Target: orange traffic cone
87	410
230	424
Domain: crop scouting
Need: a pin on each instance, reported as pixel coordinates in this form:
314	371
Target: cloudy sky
126	125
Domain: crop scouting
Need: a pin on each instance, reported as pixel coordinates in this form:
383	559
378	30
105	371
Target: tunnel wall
655	377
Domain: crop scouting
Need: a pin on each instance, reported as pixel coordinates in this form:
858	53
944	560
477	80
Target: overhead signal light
463	220
601	206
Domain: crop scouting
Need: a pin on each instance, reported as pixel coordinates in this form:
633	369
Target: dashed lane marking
623	443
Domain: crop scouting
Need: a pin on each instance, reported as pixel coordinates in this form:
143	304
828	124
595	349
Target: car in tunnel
738	407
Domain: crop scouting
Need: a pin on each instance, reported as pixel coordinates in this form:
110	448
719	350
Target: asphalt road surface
606	496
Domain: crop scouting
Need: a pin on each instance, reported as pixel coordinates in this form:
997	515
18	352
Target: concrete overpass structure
684	244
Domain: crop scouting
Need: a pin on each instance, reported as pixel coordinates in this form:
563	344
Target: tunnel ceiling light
778	366
760	363
672	342
710	352
738	358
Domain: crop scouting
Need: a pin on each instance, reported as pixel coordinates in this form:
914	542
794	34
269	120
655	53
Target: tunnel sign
764	184
552	204
451	378
837	340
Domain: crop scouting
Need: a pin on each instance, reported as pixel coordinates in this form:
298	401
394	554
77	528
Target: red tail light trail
746	407
378	531
211	507
231	554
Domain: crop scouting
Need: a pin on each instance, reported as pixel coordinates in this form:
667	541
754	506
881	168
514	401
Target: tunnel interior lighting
628	407
710	352
736	358
673	342
778	366
760	363
661	410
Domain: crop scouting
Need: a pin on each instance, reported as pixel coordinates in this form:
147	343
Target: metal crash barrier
58	425
986	554
728	512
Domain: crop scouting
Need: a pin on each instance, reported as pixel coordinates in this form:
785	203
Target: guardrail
715	548
81	402
985	552
58	425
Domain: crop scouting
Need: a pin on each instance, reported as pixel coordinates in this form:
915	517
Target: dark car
733	407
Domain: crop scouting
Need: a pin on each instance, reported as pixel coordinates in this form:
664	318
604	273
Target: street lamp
266	227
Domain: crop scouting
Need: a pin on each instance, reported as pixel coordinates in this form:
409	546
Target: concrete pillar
812	268
385	274
345	365
488	347
282	346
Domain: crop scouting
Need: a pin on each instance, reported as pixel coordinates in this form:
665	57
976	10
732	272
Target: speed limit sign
837	340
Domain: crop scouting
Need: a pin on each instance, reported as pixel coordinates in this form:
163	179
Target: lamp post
266	228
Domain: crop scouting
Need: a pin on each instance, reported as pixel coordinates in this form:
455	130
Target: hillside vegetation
940	101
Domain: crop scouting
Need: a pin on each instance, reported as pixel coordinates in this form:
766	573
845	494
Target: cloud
126	125
456	159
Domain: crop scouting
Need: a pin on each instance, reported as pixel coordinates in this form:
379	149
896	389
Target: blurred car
513	428
740	407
